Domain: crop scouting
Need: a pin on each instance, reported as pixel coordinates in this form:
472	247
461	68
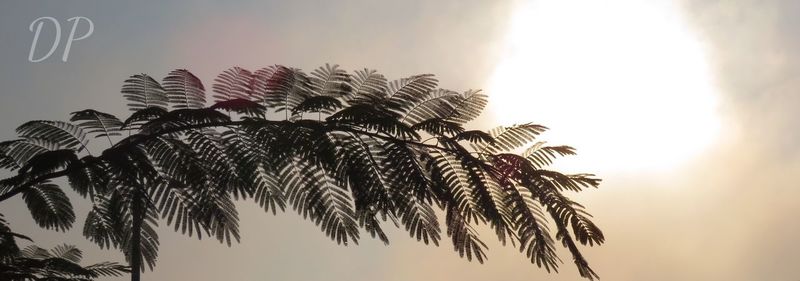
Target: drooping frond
175	161
534	235
177	203
49	206
488	196
259	179
183	194
312	191
106	220
580	262
64	134
465	238
451	185
361	161
142	91
411	192
89	179
569	213
99	123
192	210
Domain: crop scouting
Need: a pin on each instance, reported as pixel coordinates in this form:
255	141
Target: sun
623	81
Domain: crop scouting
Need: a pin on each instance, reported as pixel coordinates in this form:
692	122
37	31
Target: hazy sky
708	87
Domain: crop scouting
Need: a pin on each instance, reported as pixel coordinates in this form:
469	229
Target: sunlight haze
612	78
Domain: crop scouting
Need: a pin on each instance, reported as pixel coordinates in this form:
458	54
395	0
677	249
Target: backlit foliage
348	152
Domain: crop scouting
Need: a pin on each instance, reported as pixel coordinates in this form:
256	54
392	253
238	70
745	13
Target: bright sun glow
622	80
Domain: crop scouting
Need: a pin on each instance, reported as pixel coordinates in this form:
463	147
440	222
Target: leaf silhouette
184	90
348	152
142	91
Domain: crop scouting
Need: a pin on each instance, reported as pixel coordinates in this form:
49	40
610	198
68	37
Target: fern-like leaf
510	138
19	152
415	107
49	206
465	238
285	88
98	123
535	239
411	192
184	90
67	252
330	81
64	134
468	106
412	87
234	83
142	91
541	156
366	87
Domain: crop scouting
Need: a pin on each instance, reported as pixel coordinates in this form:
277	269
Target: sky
686	109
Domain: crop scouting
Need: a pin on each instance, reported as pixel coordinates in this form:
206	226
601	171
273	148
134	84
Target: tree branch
137	139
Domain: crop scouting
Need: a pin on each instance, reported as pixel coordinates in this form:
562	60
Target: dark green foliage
347	152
